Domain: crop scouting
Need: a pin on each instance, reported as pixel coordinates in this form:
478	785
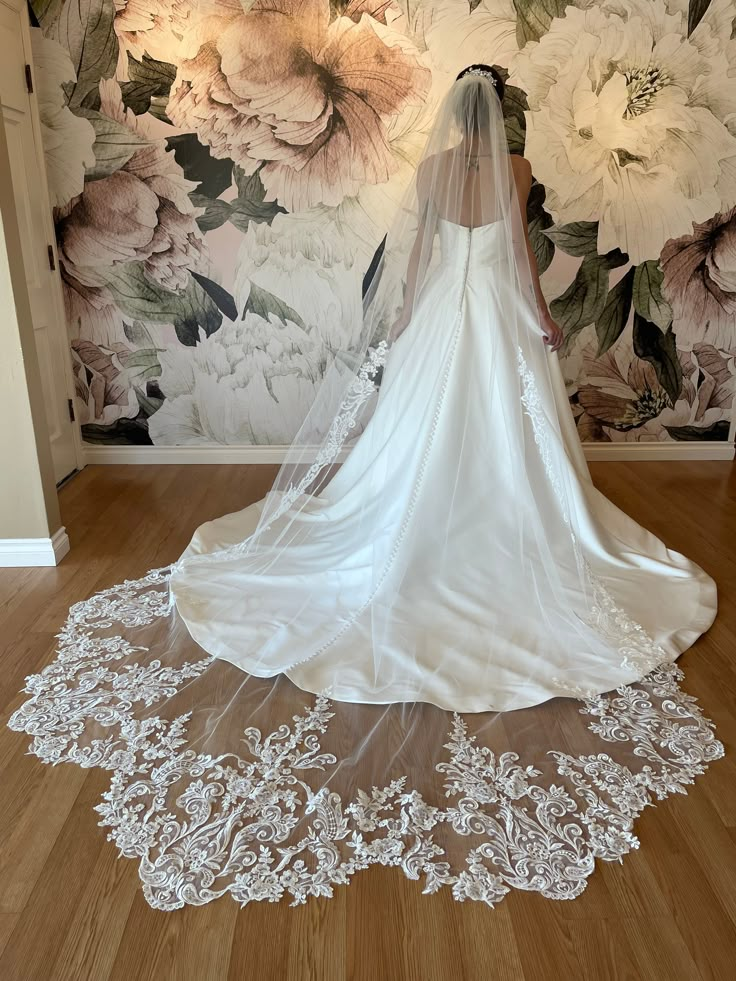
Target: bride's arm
523	178
412	270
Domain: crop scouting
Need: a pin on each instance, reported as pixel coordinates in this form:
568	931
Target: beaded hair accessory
484	73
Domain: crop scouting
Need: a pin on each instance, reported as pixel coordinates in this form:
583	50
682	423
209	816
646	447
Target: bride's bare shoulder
522	171
520	166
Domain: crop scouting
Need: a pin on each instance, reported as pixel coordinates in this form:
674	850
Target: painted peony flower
152	27
67	139
700	283
282	84
103	391
622	391
623	394
458	33
141	212
252	381
629	119
308	264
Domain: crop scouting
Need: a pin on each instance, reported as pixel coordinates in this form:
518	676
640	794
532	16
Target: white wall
29	508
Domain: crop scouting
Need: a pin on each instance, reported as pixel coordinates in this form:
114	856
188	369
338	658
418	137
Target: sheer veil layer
433	644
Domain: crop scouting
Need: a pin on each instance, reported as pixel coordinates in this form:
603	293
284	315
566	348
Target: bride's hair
472	105
489	72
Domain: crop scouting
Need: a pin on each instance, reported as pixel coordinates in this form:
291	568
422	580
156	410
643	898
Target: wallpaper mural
222	172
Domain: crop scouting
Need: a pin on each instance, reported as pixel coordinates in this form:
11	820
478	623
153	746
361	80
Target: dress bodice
484	245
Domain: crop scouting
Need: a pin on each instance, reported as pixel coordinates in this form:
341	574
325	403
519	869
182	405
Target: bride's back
468	186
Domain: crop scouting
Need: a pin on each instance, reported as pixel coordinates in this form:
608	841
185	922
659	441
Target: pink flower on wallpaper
141	212
700	282
623	395
280	84
102	390
152	27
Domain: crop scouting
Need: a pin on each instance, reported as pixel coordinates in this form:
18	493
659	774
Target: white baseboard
674	450
23	553
685	450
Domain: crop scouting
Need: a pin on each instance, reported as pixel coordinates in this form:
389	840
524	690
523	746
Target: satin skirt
442	563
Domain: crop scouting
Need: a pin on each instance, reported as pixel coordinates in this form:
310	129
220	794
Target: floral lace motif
532	403
255	825
639	653
362	388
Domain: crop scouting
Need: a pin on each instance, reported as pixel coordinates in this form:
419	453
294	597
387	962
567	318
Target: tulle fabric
434	644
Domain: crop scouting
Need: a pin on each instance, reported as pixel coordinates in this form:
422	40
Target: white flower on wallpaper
67	139
251	382
313	266
629	121
459	33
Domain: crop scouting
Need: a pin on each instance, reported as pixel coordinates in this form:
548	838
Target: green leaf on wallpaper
515	135
149	80
533	18
123	432
515	102
159	75
695	12
114	144
137	296
659	349
85	30
211	174
584	300
46	11
250	204
137	96
264	304
538	220
137	333
717	431
579	238
648	299
615	314
215	213
142	364
222	299
148	404
158	107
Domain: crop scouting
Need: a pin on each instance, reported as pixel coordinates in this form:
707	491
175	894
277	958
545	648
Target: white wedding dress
434	488
458	561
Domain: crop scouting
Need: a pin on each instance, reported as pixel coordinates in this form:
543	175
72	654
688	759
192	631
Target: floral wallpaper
222	173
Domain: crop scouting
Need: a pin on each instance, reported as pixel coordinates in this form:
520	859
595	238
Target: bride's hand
399	325
553	335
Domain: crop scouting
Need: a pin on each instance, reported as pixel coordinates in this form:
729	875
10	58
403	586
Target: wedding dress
435	487
449	585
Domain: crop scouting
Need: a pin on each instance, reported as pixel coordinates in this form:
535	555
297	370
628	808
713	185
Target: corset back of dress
479	247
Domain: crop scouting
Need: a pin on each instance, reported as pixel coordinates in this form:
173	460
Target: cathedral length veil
401	655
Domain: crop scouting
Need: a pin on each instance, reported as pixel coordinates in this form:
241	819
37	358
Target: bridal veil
434	644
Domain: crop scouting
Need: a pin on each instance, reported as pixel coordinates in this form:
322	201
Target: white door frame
57	298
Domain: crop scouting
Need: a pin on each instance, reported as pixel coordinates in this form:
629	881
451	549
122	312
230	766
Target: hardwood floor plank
70	909
191	944
50	909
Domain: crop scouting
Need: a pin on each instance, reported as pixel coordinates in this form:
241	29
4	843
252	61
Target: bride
460	555
433	545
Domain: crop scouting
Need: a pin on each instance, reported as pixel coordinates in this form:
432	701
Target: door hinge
52	260
29	78
70	403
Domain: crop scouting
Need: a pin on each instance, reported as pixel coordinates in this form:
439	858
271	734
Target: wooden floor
70	909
